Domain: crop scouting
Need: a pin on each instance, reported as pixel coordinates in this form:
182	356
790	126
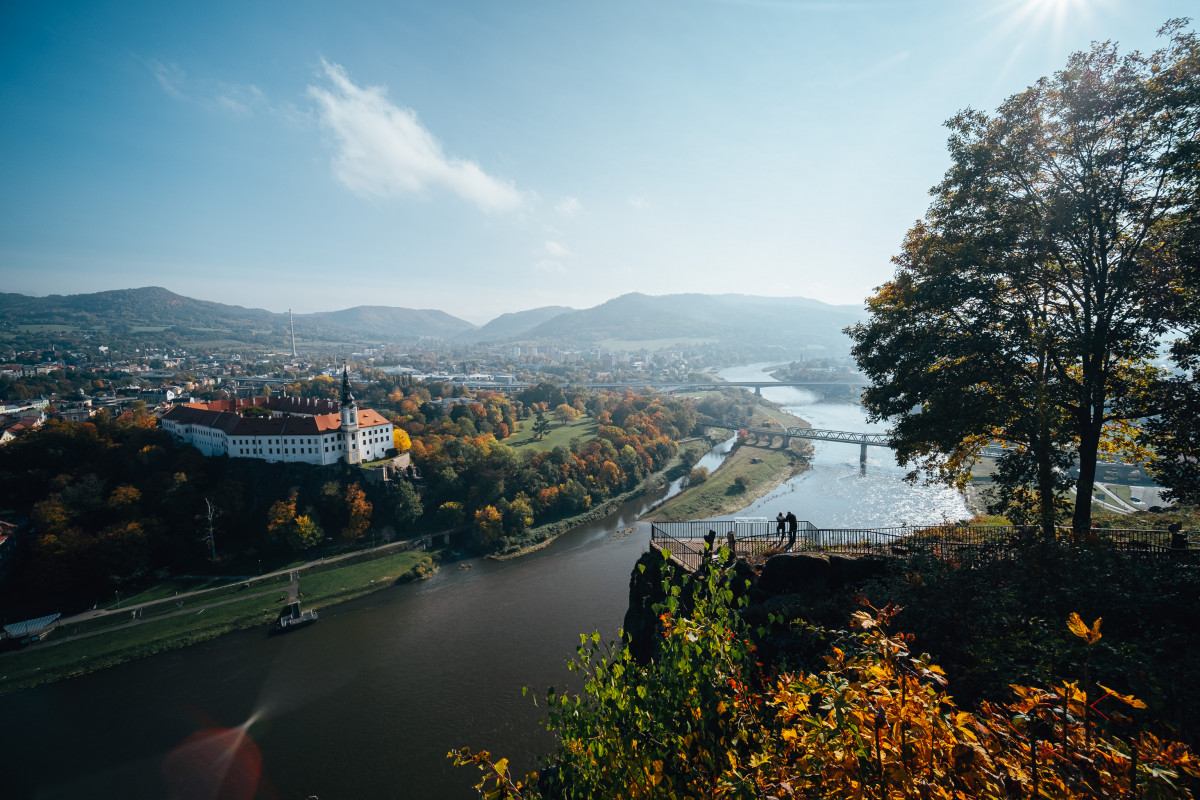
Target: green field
583	428
51	328
336	585
42	664
54	661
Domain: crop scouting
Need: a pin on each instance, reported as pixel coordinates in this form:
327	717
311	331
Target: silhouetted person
780	522
792	526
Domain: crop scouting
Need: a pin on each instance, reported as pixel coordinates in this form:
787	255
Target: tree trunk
1089	442
1046	481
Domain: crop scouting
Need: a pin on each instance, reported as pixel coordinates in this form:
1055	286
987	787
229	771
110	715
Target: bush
705	719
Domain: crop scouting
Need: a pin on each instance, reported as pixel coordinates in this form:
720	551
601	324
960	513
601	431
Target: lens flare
215	763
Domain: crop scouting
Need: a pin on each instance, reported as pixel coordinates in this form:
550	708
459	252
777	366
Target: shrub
705	719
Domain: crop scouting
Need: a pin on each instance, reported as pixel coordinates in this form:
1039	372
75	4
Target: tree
1027	306
451	514
281	515
519	515
488	524
358	512
565	413
400	439
1174	432
541	426
406	504
304	532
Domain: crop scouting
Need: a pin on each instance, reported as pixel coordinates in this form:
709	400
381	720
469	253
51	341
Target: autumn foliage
705	718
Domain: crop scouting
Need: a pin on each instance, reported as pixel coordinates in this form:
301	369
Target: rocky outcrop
792	582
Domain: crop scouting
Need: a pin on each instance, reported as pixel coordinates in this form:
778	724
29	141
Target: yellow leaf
1078	627
1127	699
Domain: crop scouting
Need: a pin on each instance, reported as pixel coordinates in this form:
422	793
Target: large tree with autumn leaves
1029	304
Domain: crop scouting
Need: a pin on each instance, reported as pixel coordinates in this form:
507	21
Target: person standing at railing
792	525
780	522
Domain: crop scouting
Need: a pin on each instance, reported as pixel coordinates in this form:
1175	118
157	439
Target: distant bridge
863	440
850	387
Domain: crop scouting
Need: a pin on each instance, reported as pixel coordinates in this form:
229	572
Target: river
366	703
836	492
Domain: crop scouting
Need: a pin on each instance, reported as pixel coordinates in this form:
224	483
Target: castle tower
349	420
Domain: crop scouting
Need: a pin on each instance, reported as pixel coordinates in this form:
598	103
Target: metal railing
758	536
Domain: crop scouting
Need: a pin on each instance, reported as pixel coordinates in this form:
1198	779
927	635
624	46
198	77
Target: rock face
804	578
803	573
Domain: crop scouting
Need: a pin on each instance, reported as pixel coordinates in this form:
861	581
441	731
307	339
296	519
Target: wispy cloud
552	255
640	203
169	76
383	150
568	206
241	100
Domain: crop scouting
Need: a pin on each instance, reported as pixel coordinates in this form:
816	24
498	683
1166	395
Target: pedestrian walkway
134	611
136	618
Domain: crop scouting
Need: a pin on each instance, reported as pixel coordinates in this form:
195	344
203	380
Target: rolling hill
156	315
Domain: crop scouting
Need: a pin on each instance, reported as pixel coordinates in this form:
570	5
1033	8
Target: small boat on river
293	617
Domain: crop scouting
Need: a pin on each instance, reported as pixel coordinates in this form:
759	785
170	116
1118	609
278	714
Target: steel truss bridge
863	440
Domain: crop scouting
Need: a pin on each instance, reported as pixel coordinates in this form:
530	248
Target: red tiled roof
235	425
369	418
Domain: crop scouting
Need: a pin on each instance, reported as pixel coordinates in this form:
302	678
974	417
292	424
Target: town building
300	429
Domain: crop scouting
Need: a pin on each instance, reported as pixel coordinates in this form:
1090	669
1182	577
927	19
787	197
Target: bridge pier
758	391
862	456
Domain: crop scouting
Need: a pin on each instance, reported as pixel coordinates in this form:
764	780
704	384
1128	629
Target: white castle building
304	429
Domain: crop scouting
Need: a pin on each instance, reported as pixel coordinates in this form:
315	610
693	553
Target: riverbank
761	471
544	535
748	473
92	642
82	645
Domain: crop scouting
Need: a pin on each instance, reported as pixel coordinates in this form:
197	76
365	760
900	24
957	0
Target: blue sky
484	157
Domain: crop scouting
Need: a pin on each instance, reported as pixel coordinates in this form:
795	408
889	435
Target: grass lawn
583	428
168	588
718	496
344	583
51	661
36	665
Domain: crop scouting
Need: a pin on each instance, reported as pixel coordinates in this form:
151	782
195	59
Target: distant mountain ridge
517	324
791	323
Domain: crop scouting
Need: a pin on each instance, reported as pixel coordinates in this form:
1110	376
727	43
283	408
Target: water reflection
836	493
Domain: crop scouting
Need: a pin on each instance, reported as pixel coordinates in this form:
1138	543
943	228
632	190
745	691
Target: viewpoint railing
758	537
